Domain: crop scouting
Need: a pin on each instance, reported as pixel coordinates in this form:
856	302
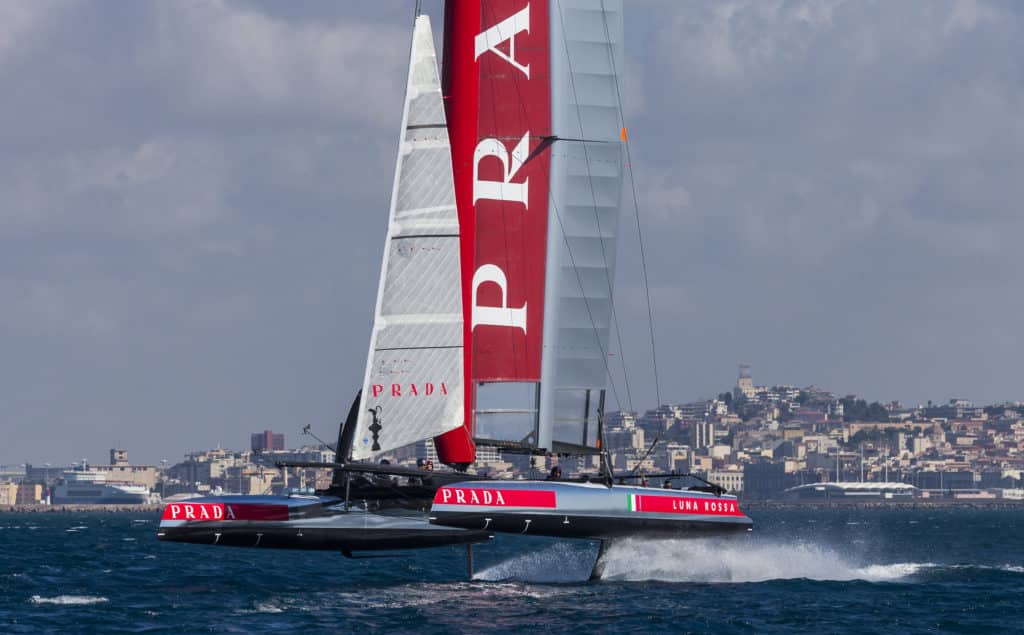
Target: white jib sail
413	387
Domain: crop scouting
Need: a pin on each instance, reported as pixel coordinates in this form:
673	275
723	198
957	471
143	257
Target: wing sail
583	216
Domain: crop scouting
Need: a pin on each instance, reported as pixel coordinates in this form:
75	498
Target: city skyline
288	440
758	442
195	204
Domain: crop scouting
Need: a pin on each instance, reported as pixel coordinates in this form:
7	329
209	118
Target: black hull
307	523
595	528
586	510
287	535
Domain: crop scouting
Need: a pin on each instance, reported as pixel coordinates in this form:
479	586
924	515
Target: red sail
497	89
510	190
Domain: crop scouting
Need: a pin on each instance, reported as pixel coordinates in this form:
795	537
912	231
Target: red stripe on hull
224	511
493	497
687	505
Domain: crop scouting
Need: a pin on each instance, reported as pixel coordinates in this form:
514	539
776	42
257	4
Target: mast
460	85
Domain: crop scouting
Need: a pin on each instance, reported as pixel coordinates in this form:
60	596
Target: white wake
707	561
717	561
560	562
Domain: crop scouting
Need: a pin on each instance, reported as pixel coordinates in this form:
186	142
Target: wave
267	607
70	600
718	561
1005	568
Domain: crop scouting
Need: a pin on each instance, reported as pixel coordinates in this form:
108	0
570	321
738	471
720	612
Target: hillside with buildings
756	441
759	441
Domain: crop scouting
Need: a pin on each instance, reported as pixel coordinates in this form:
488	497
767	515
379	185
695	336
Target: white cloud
22	25
230	60
663	197
731	41
162	185
823	122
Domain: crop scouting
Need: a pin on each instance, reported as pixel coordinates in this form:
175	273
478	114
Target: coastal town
760	442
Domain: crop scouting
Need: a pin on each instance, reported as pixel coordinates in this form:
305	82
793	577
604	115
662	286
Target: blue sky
195	196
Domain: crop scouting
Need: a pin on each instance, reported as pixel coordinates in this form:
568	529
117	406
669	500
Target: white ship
87	487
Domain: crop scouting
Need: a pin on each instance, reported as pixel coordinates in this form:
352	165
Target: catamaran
494	307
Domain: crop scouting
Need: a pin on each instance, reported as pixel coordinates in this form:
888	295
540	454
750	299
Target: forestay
413	388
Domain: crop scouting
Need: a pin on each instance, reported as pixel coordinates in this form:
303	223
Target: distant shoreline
114	509
746	505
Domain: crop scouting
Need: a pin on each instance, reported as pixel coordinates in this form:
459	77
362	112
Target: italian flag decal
634	503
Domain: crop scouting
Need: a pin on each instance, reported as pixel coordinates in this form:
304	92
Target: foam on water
561	562
1006	568
268	607
70	600
714	561
700	560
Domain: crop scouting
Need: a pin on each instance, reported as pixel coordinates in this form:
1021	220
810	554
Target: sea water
801	570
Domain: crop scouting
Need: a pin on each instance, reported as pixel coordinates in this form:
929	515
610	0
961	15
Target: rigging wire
636	209
644	457
597	217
